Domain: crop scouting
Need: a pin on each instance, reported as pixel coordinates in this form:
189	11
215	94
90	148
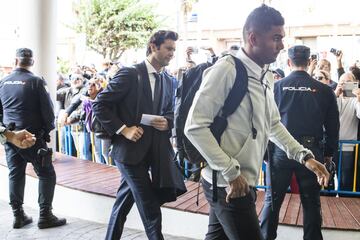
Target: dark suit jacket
116	105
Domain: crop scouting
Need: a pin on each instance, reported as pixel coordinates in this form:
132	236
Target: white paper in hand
146	119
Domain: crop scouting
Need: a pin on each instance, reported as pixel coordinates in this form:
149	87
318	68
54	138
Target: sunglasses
319	78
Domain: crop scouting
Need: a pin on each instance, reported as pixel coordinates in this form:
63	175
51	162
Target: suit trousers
281	172
17	160
135	186
236	220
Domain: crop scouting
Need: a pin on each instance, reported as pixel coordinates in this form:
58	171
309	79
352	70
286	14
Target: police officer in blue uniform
309	112
26	104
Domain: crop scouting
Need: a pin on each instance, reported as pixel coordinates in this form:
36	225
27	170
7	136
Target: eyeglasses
319	78
76	79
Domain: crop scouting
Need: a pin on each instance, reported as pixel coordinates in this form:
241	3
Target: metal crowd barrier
338	189
68	150
69	141
356	164
331	192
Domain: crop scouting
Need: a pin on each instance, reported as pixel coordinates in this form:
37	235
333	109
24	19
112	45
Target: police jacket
26	102
308	108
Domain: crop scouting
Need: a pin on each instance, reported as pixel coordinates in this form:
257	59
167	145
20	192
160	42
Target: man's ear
289	62
252	39
32	62
153	47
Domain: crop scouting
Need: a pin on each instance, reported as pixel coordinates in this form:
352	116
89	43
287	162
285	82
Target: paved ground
76	229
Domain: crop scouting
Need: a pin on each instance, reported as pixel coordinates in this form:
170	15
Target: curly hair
159	38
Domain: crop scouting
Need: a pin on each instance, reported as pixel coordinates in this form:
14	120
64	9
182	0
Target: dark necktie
157	92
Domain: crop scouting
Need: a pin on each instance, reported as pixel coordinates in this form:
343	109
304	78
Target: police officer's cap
24	53
299	52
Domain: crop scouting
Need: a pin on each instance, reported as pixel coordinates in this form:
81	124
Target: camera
314	56
348	89
335	51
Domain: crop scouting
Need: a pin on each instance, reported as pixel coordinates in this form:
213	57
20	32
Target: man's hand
189	51
62	119
319	169
132	133
357	93
238	188
312	66
160	123
339	89
210	49
339	57
21	139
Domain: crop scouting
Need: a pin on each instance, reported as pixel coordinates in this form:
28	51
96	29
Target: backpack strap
238	90
233	100
231	103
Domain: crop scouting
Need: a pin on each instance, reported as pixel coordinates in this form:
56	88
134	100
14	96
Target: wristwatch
307	157
2	135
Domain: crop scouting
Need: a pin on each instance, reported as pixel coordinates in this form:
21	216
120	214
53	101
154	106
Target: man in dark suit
136	147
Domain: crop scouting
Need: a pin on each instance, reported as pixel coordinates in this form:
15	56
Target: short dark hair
356	71
159	38
299	55
25	57
261	20
300	62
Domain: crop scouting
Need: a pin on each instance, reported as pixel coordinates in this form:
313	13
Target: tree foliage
186	7
63	66
113	26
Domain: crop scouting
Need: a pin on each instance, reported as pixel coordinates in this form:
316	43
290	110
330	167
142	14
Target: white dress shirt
151	71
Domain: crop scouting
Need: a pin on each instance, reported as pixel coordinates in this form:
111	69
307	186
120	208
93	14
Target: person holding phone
349	108
324	77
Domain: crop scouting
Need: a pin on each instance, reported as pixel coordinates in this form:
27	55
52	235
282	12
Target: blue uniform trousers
281	172
17	160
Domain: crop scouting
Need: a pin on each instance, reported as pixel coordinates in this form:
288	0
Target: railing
68	150
355	168
337	190
66	141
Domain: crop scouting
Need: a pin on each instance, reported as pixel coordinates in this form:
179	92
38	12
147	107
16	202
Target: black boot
48	220
20	218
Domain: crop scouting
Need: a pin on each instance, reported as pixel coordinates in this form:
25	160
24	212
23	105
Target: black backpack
188	86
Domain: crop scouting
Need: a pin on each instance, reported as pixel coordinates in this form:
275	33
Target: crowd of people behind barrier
105	113
76	91
77	132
